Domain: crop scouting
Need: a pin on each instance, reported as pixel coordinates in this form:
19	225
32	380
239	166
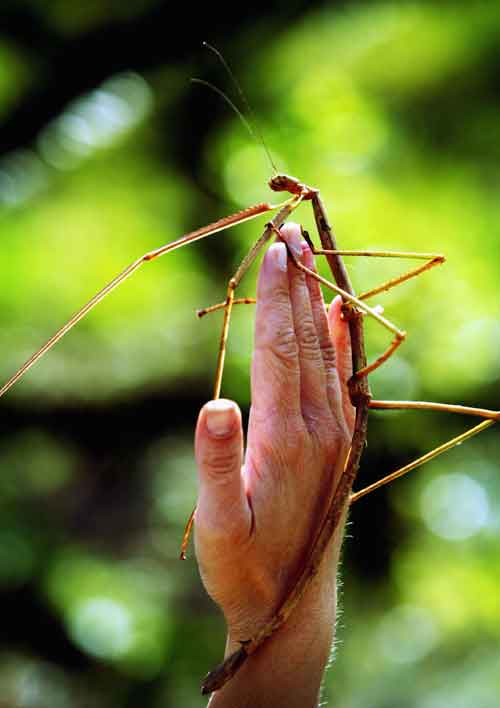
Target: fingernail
219	417
280	255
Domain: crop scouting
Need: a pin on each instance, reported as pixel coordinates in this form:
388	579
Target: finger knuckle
218	463
329	355
309	343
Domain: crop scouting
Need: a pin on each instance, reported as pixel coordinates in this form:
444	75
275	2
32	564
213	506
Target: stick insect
355	309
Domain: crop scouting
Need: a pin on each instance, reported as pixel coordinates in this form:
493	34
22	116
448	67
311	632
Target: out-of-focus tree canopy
108	151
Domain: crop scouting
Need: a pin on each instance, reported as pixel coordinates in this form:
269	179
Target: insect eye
277	183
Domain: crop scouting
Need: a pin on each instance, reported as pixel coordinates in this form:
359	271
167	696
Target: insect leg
204	231
421	460
432	259
220	305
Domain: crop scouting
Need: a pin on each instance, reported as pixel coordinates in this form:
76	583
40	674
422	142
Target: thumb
222	510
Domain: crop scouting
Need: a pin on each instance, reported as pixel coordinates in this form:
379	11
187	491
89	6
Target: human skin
258	511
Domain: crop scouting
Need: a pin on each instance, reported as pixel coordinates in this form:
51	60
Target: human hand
256	522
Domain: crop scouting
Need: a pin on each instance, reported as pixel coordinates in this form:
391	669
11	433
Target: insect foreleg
203	232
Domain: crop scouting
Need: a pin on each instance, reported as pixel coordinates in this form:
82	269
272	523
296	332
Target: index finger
275	367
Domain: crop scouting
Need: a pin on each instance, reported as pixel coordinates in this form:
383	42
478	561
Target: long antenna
231	103
257	133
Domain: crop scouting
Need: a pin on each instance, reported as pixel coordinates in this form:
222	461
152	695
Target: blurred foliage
392	110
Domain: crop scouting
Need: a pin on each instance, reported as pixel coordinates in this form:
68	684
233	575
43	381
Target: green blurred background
107	151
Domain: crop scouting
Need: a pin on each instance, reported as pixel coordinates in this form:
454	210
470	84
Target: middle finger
313	383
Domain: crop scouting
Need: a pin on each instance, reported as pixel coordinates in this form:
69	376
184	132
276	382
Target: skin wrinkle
272	322
253	525
310	342
307	338
282	343
333	388
218	463
326	347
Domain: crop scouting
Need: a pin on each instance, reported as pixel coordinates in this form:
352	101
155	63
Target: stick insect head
286	183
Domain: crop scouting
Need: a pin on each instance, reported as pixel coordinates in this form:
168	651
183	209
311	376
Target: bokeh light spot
102	627
407	634
22	176
454	506
95	120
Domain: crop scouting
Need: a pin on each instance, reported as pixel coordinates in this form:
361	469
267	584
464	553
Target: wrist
313	616
288	667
